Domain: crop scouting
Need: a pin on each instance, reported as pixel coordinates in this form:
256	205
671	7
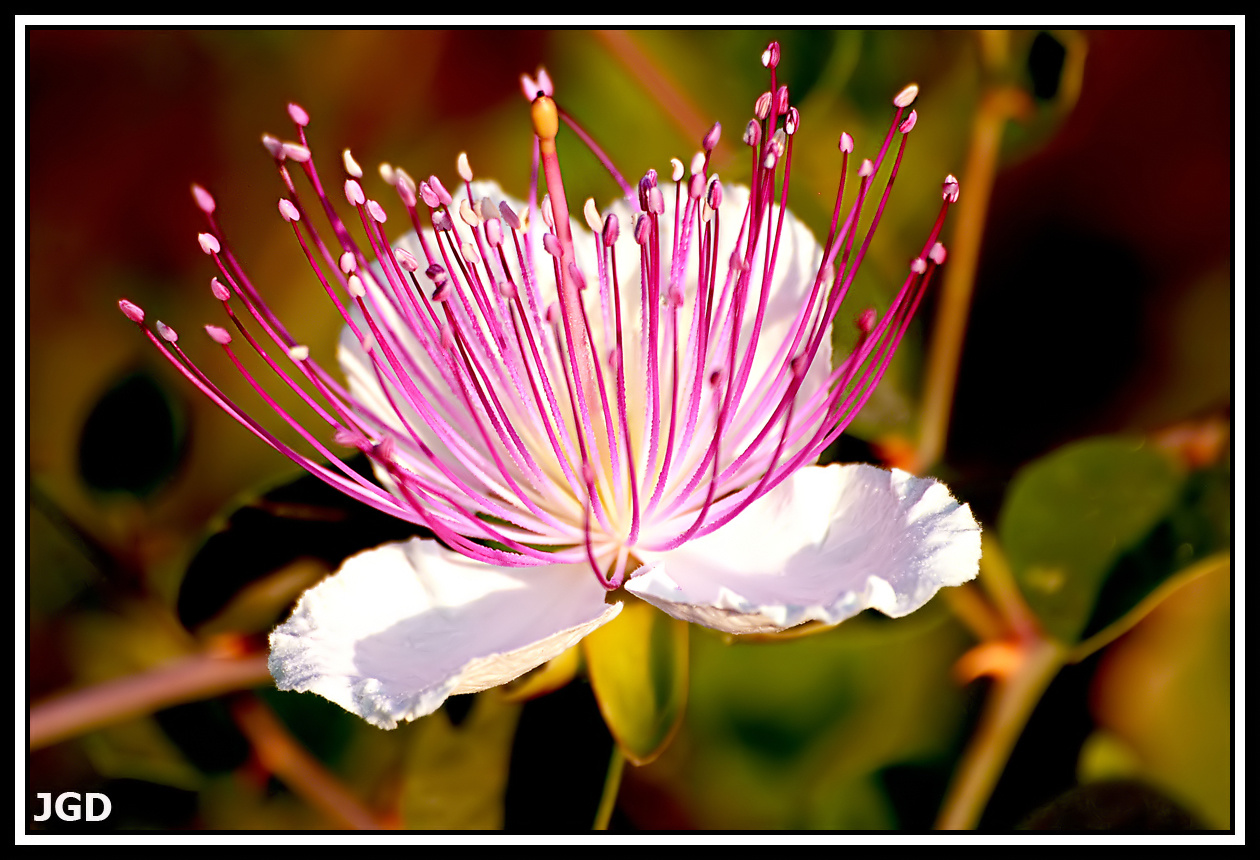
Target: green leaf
322	728
138	749
134	439
1070	517
247	574
455	776
638	667
1107	756
1178	546
801	733
64	561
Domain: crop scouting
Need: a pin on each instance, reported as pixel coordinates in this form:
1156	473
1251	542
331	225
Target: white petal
401	627
822	546
796	264
365	385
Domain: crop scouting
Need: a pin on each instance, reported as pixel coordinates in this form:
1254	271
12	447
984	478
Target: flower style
572	413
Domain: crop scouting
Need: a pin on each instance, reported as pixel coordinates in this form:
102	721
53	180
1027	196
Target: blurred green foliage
799	734
1069	517
455	776
639	668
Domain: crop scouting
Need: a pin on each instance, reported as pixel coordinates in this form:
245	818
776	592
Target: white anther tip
297	152
204	201
219	335
906	97
591	214
208	243
406	260
352	166
354	193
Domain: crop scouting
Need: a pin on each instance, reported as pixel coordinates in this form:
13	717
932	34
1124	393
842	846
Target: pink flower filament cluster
533	394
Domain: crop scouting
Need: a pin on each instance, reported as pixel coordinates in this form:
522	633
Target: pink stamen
517	428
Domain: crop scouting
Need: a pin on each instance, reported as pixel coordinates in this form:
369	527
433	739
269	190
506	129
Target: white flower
575	412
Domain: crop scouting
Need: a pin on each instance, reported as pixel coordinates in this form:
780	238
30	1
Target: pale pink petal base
401	627
822	546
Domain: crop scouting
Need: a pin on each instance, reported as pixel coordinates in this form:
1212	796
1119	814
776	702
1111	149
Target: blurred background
157	528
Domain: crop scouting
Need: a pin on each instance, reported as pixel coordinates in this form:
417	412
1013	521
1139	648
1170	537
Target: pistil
546	125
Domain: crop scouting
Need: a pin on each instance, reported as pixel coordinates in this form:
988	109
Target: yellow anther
546	118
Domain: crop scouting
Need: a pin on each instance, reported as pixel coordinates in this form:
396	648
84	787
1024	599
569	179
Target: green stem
955	297
290	762
1005	714
998	104
612	784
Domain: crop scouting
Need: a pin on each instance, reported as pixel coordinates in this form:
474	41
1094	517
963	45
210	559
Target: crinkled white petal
825	544
401	627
